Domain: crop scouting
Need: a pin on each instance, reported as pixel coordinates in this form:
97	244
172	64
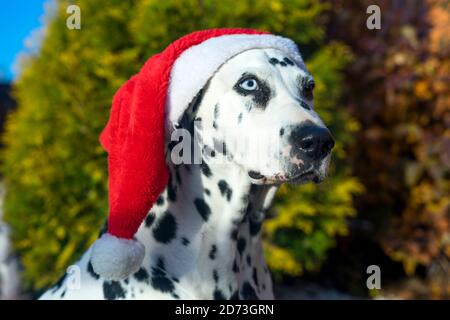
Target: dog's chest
202	241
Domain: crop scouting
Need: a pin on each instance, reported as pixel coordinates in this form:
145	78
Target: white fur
115	258
196	65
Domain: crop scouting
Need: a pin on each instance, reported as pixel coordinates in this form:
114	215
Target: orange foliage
400	93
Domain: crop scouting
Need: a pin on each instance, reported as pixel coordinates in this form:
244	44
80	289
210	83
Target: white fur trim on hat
193	68
114	258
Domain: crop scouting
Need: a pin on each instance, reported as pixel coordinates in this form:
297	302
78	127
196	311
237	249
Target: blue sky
17	19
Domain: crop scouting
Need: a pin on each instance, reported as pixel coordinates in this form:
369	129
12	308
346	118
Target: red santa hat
144	109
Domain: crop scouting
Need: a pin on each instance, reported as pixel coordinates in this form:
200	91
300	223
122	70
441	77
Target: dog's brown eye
307	87
310	85
249	84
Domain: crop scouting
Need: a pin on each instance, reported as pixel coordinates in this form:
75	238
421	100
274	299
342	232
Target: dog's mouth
309	175
306	176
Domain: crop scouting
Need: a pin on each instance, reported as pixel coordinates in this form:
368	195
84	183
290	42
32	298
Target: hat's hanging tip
114	258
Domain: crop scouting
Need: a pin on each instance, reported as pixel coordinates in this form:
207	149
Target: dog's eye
249	84
307	88
309	85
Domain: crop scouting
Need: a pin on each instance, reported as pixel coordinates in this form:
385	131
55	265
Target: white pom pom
114	258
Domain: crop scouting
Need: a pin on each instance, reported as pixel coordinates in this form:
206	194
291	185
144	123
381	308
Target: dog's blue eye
249	84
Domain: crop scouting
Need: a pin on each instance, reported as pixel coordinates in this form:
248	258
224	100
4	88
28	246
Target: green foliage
55	169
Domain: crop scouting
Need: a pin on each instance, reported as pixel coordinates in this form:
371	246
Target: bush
401	97
55	170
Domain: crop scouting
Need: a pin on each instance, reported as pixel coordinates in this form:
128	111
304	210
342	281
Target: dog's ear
187	121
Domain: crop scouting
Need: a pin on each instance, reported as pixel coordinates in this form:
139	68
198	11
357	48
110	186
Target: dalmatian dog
203	236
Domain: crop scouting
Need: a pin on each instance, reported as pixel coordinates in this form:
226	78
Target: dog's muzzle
310	147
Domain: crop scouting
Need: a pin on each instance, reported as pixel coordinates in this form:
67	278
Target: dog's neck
212	247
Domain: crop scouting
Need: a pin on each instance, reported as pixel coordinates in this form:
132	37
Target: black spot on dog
255	276
241	243
212	252
205	169
283	64
234	234
185	241
225	189
254	226
218	295
149	219
281	132
208	152
216	116
288	61
165	228
202	208
63	294
175	279
113	290
171	193
215	276
198	123
235	266
248	106
207	192
177	175
160	264
248	292
249	260
240	117
159	279
160	200
141	275
91	271
273	61
236	221
220	146
175	296
249	209
216	111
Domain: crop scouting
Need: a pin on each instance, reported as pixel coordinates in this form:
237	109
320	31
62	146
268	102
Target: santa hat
147	105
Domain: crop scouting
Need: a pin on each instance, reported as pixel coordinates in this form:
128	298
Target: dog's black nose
312	141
